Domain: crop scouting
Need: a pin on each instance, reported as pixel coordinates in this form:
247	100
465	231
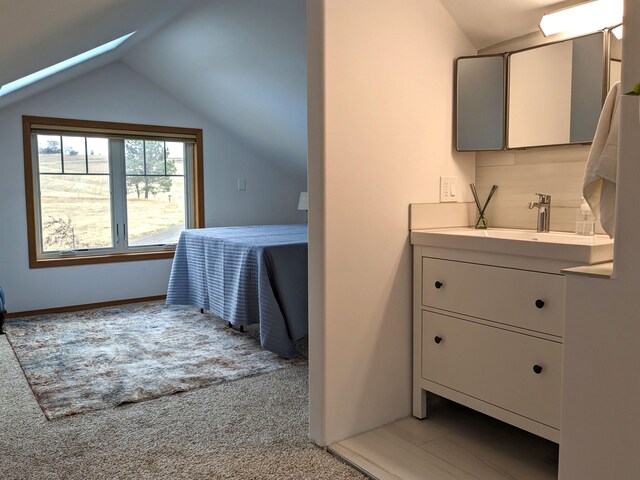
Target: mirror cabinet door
480	103
555	92
615	59
553	97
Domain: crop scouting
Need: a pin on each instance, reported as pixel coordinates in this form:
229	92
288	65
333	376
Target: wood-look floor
454	442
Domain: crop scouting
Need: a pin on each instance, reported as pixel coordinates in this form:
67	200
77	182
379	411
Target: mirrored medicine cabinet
546	95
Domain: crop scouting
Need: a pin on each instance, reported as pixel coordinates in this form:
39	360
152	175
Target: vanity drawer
494	365
521	298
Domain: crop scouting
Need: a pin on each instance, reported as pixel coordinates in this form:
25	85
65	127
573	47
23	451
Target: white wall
117	93
601	386
382	136
519	174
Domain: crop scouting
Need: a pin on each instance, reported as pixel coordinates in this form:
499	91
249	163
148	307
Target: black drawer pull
437	339
537	369
438	284
539	303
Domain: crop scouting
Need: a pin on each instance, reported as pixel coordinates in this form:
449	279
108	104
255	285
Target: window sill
96	259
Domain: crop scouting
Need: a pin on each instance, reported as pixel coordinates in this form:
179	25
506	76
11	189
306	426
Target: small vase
482	224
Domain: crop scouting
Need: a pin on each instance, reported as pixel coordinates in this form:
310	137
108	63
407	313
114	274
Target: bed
246	275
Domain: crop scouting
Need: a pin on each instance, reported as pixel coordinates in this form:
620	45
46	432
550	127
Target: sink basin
529	235
553	245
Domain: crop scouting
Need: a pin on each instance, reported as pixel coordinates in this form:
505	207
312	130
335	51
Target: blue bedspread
247	275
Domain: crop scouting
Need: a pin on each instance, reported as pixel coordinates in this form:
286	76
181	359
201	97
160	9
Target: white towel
599	184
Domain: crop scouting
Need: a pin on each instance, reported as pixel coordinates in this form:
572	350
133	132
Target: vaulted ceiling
240	63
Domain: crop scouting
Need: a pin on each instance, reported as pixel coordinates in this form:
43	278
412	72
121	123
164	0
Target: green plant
635	91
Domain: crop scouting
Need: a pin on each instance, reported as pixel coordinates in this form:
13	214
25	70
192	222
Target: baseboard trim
86	306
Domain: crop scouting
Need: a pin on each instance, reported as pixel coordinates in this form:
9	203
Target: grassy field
84	199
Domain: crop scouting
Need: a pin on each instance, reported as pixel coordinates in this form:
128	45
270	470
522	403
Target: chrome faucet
544	211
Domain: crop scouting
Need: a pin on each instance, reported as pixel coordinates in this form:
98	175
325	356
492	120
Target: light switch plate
448	189
242	184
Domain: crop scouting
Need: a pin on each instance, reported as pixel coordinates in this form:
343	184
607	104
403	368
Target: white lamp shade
303	201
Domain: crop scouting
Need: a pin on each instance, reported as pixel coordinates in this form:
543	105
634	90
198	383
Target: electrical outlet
242	184
448	189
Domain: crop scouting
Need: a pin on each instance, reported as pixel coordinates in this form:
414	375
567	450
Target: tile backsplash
520	174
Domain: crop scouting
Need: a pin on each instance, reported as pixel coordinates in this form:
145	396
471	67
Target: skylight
59	67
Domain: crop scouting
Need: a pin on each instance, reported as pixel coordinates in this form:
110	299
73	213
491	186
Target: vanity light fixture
583	18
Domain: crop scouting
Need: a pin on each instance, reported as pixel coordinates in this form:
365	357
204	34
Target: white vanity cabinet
488	334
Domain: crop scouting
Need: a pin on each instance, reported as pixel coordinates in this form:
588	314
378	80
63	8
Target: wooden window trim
28	123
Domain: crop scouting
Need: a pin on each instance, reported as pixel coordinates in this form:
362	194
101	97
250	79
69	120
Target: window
105	192
59	67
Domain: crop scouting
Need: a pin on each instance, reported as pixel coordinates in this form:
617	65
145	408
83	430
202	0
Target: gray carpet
254	428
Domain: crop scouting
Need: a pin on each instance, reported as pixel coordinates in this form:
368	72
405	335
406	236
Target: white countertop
600	270
586	250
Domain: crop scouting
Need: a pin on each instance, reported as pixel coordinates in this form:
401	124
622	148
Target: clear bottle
585	220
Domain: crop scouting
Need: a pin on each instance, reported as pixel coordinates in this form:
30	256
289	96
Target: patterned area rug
96	359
